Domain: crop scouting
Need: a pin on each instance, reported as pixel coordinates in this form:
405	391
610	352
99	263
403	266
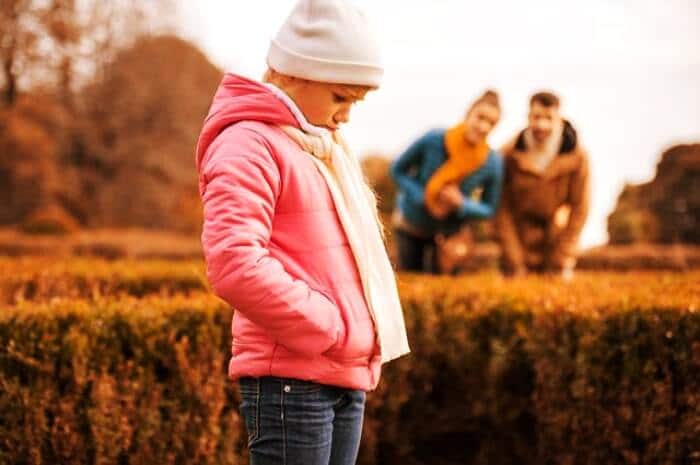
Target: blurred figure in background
545	194
439	177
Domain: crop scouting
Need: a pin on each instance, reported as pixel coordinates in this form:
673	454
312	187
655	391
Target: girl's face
323	104
480	122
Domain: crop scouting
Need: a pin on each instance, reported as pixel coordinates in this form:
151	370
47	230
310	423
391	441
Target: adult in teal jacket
446	178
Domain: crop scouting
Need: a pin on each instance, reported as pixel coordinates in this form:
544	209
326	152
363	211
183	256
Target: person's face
323	104
480	121
542	120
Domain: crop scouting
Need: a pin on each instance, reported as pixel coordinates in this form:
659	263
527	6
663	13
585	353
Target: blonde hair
280	80
273	77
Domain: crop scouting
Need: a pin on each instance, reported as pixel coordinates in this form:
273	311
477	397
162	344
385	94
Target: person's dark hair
546	99
490	96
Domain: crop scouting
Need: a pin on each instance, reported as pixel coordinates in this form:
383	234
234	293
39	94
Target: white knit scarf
356	205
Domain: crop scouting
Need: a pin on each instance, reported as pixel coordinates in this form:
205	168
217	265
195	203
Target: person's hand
452	196
517	272
563	267
567	271
440	211
567	274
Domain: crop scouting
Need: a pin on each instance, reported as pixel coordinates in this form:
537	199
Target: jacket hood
569	140
240	99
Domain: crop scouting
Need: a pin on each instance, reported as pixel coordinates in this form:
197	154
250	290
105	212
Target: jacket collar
567	161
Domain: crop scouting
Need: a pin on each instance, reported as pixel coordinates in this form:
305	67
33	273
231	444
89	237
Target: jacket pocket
341	330
358	337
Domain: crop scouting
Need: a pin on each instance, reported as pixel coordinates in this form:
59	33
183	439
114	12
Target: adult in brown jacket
545	195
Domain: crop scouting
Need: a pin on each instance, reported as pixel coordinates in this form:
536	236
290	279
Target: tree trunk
10	91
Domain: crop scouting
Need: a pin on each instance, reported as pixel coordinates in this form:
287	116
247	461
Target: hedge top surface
590	293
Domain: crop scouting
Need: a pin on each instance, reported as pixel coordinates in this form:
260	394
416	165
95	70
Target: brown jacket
542	214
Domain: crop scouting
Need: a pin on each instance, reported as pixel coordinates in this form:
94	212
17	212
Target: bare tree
62	44
16	37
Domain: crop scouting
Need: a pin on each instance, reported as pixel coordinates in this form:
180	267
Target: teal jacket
413	169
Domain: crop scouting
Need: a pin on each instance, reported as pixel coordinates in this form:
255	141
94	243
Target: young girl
292	241
437	176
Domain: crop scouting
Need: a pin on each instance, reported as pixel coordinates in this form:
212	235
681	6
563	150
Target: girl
437	178
292	241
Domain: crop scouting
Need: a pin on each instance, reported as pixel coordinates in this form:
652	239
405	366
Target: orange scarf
462	160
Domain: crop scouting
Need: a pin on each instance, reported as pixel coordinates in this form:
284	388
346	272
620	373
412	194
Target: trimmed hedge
43	279
117	381
535	371
532	371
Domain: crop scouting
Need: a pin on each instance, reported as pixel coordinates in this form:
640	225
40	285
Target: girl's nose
342	116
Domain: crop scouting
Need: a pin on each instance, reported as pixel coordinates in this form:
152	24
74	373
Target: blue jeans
293	422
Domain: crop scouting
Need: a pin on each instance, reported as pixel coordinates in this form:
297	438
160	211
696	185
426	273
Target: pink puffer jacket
275	249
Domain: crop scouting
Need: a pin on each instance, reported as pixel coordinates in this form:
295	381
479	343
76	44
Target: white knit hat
327	41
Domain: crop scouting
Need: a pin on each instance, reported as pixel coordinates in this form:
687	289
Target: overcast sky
628	72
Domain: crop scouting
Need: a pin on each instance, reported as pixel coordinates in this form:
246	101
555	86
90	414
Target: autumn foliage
90	136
